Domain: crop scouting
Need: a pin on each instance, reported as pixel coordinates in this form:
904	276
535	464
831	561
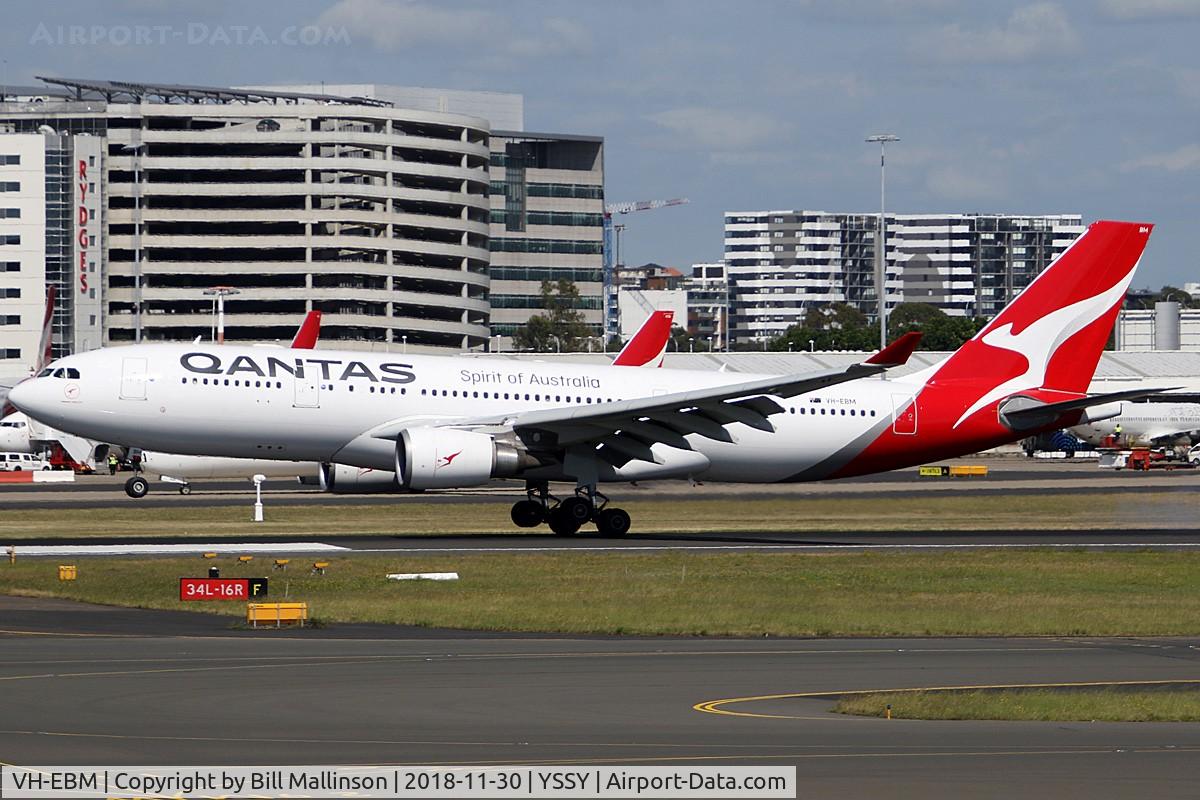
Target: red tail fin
46	345
1052	334
649	344
310	330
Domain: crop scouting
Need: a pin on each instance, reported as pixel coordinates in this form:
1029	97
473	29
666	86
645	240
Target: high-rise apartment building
780	263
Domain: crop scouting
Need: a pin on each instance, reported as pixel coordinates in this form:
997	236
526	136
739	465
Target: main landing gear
568	515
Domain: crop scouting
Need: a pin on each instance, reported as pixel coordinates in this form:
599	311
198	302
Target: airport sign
222	588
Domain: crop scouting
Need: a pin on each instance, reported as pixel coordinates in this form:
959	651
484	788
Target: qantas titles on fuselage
330	368
334	369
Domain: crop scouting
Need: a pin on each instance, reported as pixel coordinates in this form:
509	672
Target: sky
1011	107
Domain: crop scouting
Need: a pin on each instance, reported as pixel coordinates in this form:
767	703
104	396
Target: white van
22	462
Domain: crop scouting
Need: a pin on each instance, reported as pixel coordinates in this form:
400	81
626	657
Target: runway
1006	475
708	542
173	688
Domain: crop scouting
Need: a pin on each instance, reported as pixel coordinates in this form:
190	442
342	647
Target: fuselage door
308	391
904	414
133	379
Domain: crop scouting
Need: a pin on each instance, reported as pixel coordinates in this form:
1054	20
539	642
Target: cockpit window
72	373
59	373
45	373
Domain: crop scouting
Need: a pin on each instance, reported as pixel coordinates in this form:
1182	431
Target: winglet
897	353
310	329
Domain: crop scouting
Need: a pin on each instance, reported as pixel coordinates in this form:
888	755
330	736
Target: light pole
881	237
691	345
221	292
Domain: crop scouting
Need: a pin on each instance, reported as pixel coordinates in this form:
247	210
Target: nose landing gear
565	517
137	487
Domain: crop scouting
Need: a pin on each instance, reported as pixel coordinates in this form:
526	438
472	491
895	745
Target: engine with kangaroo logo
443	458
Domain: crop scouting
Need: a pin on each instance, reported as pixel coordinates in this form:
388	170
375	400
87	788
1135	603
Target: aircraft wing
623	431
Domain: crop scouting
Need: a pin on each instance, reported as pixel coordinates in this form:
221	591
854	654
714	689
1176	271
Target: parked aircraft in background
445	422
1145	424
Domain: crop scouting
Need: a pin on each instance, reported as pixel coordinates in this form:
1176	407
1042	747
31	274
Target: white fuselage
1145	424
321	406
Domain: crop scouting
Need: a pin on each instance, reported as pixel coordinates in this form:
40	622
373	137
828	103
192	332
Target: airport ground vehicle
22	462
448	422
1145	459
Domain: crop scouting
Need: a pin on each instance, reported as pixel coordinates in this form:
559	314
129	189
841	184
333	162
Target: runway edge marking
716	706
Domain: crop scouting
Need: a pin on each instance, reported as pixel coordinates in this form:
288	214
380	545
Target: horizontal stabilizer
1025	413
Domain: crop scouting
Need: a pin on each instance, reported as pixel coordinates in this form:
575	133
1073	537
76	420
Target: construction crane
610	261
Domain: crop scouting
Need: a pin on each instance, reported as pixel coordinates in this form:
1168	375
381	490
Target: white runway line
805	547
133	549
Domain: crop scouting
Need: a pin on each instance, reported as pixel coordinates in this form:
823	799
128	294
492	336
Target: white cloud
558	36
396	25
955	183
1179	160
719	129
1036	30
1150	9
412	23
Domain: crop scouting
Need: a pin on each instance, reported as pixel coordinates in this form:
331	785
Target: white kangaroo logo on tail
1041	340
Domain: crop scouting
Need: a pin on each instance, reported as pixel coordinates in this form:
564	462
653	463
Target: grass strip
1044	705
976	593
409	516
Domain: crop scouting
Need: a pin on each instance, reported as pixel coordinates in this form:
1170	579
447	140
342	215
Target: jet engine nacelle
444	458
343	479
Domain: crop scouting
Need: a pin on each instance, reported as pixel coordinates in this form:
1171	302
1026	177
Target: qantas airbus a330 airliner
444	422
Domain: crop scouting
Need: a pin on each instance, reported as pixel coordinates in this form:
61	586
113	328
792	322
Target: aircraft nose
28	396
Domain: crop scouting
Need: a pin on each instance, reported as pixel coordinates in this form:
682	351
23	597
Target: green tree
678	342
836	326
1176	295
941	331
559	326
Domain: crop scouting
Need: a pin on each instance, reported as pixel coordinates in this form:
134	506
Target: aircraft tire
185	489
137	487
577	509
528	513
562	524
613	523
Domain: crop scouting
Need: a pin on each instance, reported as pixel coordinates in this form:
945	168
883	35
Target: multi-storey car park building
546	204
375	215
780	263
